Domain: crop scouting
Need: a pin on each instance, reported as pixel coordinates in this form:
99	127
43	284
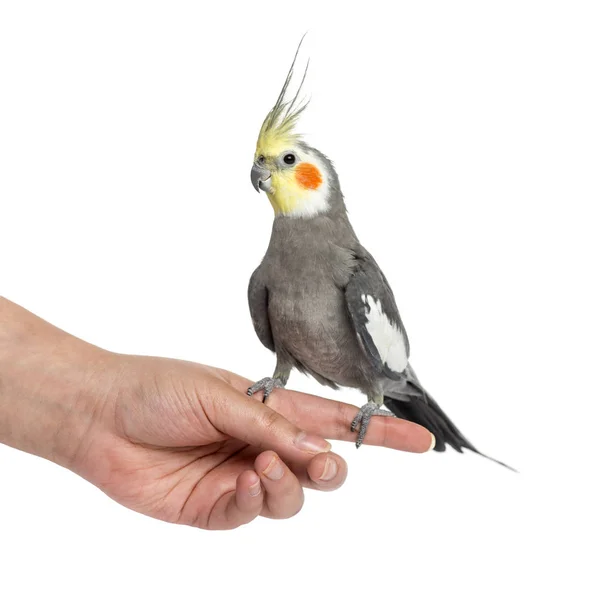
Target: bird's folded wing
258	300
376	319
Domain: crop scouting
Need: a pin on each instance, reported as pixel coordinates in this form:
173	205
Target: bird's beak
260	177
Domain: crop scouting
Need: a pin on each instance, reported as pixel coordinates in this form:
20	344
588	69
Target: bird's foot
267	385
363	417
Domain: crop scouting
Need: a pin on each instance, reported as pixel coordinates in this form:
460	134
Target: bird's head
297	179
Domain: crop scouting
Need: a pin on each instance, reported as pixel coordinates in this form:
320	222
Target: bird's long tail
412	402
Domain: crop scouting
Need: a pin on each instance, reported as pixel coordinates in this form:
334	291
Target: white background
466	136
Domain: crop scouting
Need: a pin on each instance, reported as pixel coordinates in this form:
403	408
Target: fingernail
329	471
275	470
432	445
254	490
312	443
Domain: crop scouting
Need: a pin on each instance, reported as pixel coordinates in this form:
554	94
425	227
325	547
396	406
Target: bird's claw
363	417
267	385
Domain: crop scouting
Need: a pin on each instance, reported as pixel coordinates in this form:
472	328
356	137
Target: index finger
331	419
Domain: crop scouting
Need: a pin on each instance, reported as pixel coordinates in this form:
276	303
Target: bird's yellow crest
292	174
277	131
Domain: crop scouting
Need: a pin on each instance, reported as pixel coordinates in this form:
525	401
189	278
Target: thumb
251	421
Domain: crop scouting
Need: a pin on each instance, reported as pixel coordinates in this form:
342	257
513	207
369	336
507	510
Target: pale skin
174	440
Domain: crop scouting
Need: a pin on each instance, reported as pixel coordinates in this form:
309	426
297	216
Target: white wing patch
386	336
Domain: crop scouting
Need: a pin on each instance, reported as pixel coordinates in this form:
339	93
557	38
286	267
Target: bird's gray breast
307	266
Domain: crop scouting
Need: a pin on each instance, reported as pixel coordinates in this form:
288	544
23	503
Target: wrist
52	387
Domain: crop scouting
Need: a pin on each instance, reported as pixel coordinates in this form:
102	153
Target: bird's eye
289	159
260	159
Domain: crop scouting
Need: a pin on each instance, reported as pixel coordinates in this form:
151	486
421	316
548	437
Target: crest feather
278	126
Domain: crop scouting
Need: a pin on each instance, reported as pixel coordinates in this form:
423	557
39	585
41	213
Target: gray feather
258	300
368	280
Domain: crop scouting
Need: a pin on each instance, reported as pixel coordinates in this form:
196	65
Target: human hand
182	442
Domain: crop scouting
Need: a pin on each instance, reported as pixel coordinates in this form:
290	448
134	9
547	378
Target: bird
318	299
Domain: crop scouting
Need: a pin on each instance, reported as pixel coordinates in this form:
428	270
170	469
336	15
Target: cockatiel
318	299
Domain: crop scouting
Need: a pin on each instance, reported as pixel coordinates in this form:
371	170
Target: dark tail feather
423	409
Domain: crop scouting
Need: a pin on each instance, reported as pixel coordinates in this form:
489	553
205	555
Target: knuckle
287	500
269	420
342	426
296	509
291	510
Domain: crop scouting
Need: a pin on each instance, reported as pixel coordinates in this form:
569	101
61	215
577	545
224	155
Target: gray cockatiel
318	299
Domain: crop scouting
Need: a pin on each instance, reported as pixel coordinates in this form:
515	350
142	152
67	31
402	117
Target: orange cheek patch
308	175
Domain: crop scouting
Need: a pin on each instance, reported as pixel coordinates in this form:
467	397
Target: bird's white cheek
310	202
386	336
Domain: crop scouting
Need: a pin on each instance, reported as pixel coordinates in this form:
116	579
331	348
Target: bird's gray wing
258	300
375	317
